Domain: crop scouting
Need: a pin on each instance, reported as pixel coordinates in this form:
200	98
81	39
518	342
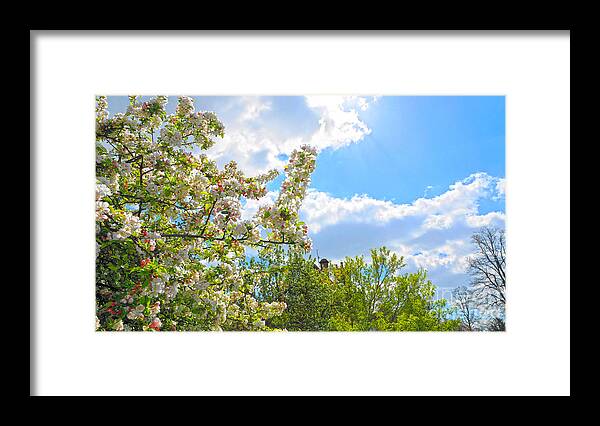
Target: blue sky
418	174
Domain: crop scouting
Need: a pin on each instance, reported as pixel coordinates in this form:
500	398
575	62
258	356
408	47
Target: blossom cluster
102	207
282	217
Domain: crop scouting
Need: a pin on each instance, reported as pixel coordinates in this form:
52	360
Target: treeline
375	294
354	295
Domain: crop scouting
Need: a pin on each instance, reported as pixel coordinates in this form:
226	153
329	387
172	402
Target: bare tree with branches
466	305
488	276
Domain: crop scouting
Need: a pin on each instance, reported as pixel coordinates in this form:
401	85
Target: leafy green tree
355	295
349	307
291	279
377	296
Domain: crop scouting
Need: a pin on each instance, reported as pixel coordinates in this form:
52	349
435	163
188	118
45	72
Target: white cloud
339	122
460	201
437	221
489	219
257	144
253	107
253	152
321	210
501	187
448	256
431	233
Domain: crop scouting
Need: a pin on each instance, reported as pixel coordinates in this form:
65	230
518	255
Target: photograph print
300	213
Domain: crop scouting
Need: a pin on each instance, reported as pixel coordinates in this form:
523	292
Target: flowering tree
170	239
